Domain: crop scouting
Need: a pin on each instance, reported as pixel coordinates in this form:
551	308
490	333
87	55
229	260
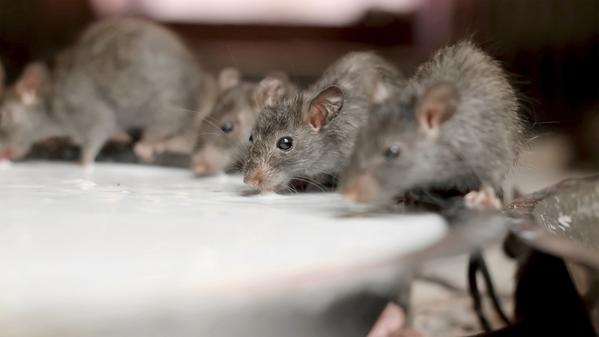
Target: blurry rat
223	138
121	74
455	126
311	135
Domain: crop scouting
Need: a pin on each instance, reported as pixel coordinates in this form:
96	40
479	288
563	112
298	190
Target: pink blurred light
313	12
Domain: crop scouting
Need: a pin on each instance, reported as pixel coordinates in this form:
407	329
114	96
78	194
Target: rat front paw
483	199
145	152
392	323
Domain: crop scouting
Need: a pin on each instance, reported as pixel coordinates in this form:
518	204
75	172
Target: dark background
550	48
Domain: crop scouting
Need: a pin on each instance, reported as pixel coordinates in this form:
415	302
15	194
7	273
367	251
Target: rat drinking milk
311	135
121	74
223	138
455	125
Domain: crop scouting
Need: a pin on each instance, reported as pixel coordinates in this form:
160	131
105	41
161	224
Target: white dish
100	251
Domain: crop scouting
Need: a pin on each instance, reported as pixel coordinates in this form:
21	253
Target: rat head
224	135
21	108
399	147
290	139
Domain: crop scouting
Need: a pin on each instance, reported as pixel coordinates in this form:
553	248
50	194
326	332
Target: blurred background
551	47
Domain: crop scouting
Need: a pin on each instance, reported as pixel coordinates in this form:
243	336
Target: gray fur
475	146
325	151
238	105
121	74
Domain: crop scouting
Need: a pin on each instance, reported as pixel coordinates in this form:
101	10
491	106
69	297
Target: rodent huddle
310	135
128	74
121	74
453	125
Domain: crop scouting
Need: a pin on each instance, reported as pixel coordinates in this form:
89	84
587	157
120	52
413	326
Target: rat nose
11	154
254	179
360	188
202	167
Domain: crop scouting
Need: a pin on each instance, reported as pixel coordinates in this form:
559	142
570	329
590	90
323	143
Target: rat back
482	138
129	72
366	79
361	74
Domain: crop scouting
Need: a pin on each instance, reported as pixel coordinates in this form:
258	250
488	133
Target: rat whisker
178	108
291	189
214	125
207	133
535	137
545	122
313	182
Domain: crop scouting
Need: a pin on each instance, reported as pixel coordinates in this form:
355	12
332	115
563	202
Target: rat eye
392	152
251	139
227	127
285	143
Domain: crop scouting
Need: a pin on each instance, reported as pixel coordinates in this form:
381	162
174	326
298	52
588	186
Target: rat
223	138
309	136
121	74
454	126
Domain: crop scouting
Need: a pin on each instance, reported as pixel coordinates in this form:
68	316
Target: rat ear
271	89
437	105
324	107
29	85
228	78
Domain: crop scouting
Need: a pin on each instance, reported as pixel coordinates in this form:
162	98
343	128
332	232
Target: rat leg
393	323
89	153
90	149
166	120
147	149
121	137
103	126
180	143
484	198
150	145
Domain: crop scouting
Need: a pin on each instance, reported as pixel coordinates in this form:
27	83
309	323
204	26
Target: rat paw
144	151
392	323
121	137
86	163
483	199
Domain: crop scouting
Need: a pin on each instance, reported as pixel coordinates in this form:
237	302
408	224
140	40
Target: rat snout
12	153
361	188
209	160
5	154
254	178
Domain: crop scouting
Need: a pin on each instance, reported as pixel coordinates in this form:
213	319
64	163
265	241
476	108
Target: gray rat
120	74
311	135
455	125
223	138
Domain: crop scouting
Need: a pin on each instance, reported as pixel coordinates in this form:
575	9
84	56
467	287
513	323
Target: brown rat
223	138
121	74
312	134
455	126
